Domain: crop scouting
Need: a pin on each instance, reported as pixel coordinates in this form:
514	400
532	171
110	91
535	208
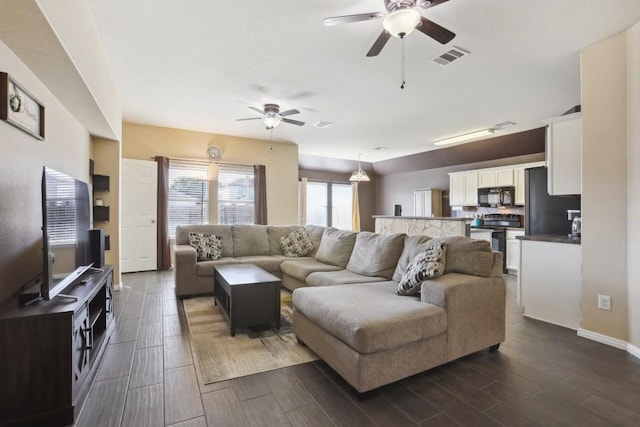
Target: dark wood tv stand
50	352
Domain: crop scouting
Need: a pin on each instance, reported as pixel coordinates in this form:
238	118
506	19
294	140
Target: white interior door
138	215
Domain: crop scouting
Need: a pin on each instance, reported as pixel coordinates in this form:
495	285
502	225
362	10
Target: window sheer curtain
164	248
355	212
260	194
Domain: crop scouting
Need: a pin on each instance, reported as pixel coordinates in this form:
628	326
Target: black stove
498	224
502	220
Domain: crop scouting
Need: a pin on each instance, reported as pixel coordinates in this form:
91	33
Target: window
188	195
329	204
236	201
341	206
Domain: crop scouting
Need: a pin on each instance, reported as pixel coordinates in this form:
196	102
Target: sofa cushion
296	244
315	233
301	268
428	264
468	256
208	246
205	268
376	254
413	245
340	277
250	240
395	321
224	231
336	247
275	233
266	262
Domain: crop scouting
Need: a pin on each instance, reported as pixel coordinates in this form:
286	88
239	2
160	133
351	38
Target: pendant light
359	175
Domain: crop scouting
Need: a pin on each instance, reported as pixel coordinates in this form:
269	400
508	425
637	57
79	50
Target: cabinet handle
88	338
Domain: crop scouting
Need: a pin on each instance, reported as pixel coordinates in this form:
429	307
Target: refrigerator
545	214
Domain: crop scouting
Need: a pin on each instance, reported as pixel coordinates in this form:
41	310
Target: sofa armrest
184	270
475	308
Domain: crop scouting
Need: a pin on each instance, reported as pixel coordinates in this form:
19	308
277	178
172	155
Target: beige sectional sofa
345	304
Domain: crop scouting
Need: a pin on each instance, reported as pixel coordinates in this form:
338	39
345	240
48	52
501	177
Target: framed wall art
19	108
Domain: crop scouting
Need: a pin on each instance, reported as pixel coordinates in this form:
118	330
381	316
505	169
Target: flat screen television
66	216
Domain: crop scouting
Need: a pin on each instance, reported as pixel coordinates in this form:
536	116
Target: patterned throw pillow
428	264
208	246
295	244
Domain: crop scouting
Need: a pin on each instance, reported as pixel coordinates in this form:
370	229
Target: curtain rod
203	161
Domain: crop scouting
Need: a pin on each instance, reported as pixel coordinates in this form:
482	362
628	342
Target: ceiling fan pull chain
402	62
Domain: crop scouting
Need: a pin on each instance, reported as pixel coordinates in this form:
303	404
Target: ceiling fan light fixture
401	22
271	122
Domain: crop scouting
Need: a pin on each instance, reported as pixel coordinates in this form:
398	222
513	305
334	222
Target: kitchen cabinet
550	282
518	177
513	250
463	189
564	153
463	186
427	202
488	178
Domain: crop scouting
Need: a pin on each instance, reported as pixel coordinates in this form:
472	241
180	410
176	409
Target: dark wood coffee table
248	295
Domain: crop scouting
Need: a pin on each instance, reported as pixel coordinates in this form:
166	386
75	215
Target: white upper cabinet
564	154
518	176
463	189
488	178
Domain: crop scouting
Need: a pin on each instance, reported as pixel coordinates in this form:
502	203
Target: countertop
551	238
437	218
485	227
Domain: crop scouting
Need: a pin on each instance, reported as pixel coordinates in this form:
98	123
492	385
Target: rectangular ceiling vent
450	56
322	124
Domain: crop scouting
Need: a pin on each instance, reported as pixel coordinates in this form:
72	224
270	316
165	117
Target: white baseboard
603	339
633	350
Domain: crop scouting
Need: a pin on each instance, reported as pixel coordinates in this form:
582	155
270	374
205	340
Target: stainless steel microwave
496	196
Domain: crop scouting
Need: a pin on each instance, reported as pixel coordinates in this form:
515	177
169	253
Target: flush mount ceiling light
401	22
359	175
465	137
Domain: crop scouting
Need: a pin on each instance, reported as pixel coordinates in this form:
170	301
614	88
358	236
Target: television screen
66	210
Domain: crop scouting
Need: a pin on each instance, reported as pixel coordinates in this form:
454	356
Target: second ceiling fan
400	20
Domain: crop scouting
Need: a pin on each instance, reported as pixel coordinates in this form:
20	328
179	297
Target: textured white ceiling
198	64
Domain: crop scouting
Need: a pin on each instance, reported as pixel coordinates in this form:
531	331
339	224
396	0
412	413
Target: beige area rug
251	351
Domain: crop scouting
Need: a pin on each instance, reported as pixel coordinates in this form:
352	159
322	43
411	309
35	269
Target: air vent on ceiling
450	56
322	124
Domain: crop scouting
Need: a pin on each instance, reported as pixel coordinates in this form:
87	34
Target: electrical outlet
604	302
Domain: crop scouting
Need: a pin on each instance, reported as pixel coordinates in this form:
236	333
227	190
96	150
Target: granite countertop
437	218
551	238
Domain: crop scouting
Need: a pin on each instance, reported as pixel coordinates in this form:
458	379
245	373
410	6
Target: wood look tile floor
543	375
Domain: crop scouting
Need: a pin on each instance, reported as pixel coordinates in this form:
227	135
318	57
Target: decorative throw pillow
295	244
428	264
208	246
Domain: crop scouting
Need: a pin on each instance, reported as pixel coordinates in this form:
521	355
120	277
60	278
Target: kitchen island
429	226
550	279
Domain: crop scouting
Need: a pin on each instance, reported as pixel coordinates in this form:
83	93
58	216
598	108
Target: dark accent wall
500	147
393	181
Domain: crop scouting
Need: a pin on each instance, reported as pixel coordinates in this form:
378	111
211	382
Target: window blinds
188	194
236	199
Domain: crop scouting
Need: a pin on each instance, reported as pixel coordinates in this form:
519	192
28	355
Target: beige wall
604	185
106	155
143	142
66	148
633	181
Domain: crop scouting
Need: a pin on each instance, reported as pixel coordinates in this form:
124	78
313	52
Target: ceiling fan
272	117
400	20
